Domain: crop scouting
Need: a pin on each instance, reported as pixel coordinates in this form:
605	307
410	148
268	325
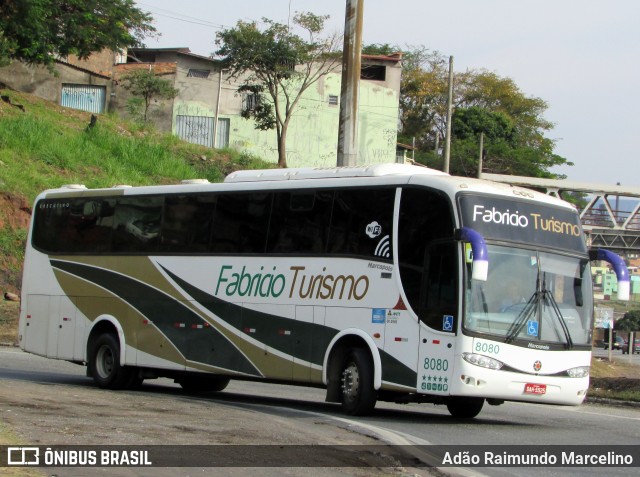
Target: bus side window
136	224
91	222
300	222
241	223
74	225
186	224
361	223
50	225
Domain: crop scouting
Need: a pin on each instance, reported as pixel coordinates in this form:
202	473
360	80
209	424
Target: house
191	115
76	84
207	109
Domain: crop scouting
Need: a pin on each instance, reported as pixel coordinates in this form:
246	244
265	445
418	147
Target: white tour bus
389	282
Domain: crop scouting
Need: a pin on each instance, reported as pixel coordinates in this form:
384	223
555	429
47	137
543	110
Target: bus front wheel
356	379
104	364
464	407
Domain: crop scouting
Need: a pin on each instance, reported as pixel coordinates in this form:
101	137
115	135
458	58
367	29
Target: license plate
535	388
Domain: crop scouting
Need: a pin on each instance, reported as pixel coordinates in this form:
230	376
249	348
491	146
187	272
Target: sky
580	56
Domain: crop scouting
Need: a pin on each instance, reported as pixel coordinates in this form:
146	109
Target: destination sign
524	222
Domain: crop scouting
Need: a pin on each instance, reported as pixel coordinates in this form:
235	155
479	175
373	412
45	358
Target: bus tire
356	380
203	384
464	407
104	364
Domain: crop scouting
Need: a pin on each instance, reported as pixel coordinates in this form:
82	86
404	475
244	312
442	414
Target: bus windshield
531	297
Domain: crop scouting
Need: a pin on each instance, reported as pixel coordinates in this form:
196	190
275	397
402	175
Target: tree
38	31
630	321
513	123
277	67
145	86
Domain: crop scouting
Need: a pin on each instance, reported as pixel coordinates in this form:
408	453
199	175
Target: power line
181	17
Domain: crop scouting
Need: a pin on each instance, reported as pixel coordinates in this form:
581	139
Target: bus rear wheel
464	407
104	364
356	379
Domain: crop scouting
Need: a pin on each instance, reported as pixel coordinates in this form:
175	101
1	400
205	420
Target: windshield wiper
550	299
523	316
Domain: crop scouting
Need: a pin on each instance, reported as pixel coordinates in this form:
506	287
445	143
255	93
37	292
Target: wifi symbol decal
384	248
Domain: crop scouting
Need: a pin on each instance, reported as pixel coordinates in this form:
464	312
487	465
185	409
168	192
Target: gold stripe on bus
94	301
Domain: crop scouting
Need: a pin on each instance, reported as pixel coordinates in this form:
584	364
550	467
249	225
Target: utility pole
351	59
447	143
480	154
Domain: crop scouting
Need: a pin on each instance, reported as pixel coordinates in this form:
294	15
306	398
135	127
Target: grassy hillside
44	145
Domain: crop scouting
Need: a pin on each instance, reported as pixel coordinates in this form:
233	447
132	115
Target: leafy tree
630	321
470	122
513	124
277	67
38	31
379	49
145	87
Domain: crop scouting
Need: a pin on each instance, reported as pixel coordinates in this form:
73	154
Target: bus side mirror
619	266
480	257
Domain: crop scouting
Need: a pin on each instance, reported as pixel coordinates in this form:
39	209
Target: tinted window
77	225
361	223
136	224
186	224
425	216
439	285
241	223
300	222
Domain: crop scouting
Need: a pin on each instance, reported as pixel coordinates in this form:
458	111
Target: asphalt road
63	407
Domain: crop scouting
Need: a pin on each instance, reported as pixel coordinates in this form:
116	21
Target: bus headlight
482	361
579	372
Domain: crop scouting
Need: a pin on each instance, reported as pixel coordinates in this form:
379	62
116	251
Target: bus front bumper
511	386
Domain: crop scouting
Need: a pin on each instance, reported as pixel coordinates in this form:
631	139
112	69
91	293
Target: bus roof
296	178
376	170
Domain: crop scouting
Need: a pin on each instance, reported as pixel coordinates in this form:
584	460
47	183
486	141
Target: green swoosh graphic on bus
207	346
267	327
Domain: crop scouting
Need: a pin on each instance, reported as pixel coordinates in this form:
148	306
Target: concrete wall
198	96
101	62
312	137
160	112
38	80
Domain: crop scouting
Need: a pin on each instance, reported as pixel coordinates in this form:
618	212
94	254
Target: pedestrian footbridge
611	218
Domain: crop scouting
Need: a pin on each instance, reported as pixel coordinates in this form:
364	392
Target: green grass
633	396
40	153
48	146
12	242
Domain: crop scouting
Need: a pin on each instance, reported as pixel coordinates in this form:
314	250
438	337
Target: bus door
438	318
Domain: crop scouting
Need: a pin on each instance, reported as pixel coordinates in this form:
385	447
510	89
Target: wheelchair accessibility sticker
378	315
